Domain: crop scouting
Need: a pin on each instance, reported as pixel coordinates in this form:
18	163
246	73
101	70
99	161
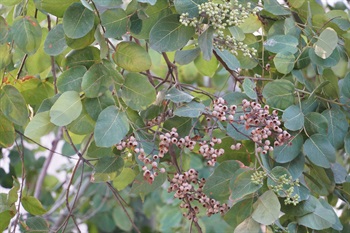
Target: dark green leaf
94	106
115	22
217	184
111	127
7	132
229	59
82	125
286	153
183	57
85	57
188	6
316	123
242	185
274	7
77	21
142	187
239	212
168	34
345	86
296	166
205	42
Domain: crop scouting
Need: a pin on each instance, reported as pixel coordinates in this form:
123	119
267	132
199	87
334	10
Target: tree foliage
202	115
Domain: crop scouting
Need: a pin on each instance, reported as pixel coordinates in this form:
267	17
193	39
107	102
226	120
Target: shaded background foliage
93	73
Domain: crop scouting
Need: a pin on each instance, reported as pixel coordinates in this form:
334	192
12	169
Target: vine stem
46	165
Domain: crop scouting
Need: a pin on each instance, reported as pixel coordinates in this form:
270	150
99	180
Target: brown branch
46	165
232	72
21	66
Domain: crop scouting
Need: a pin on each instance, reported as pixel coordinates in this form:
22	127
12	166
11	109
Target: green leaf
345	86
7	132
320	218
177	96
94	106
96	80
282	43
121	219
192	109
183	57
293	118
168	34
249	88
55	43
331	61
286	153
319	150
229	59
205	42
316	123
296	3
279	94
132	57
37	224
66	109
108	3
26	33
206	68
242	185
115	22
326	43
295	167
248	226
137	92
284	62
337	127
77	21
13	105
267	208
54	7
13	193
347	143
318	181
33	205
98	152
82	125
141	187
124	178
217	184
275	8
106	169
70	80
5	217
111	127
85	57
237	33
39	126
188	6
5	59
239	212
251	24
81	42
4	30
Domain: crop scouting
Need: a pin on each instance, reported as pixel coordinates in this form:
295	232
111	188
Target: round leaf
267	208
26	33
188	6
242	185
115	22
293	118
13	105
279	94
286	153
282	43
39	126
66	109
111	127
192	109
77	21
70	80
284	62
168	34
326	43
319	150
316	123
86	57
107	168
137	92
132	57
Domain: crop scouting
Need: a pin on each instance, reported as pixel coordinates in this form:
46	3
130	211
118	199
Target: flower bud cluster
253	115
150	167
258	177
221	16
285	187
208	151
189	188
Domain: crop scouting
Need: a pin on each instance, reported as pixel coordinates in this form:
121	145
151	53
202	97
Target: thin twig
21	66
46	165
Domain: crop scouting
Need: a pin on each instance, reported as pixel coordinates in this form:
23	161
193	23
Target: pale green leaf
33	205
249	88
111	127
281	43
242	185
326	43
267	208
39	126
178	96
293	118
286	153
66	109
279	94
284	62
106	169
